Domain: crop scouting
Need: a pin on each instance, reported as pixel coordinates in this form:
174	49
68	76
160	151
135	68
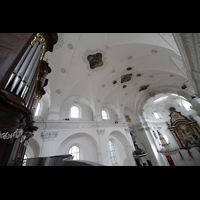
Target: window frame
183	102
112	152
107	113
40	109
80	111
76	152
156	113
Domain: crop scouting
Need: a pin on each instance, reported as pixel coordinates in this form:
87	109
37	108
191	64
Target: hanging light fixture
166	148
138	153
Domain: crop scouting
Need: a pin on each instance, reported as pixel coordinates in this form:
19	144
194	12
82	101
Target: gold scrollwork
40	38
45	71
37	78
36	96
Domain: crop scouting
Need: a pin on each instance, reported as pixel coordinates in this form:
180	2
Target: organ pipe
18	66
29	68
23	67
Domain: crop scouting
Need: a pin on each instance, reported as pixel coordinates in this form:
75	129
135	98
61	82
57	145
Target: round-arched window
38	109
104	114
75	151
74	112
112	152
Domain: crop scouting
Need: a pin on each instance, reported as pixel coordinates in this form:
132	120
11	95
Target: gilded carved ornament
40	38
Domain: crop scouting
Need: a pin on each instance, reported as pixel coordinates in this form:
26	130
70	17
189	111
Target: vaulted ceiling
152	59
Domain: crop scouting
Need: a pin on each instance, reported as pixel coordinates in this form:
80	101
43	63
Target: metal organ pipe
30	68
24	66
18	66
30	76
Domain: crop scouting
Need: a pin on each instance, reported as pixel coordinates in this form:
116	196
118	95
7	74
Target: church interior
99	99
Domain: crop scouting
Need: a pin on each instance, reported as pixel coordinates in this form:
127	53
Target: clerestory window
74	112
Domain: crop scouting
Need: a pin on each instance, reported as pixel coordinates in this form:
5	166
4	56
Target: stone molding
61	124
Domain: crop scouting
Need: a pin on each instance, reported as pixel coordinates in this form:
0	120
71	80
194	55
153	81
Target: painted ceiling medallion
129	68
124	86
125	78
114	82
138	75
95	60
172	109
143	87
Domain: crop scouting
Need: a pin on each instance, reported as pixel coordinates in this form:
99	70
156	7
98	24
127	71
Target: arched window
104	114
37	109
186	105
156	115
112	152
74	112
75	151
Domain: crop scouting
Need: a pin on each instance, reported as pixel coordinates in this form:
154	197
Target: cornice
61	124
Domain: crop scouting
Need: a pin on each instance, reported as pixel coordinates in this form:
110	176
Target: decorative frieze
49	135
101	131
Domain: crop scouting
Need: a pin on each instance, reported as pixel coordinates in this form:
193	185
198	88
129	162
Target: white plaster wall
93	144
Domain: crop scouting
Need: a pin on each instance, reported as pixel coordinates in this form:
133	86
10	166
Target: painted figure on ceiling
95	60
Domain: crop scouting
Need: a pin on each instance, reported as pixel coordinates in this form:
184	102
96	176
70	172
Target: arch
121	143
33	149
146	96
87	144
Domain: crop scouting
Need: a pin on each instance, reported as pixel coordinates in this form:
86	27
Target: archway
88	146
33	149
123	153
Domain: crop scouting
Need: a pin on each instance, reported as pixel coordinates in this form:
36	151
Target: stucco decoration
125	78
95	59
